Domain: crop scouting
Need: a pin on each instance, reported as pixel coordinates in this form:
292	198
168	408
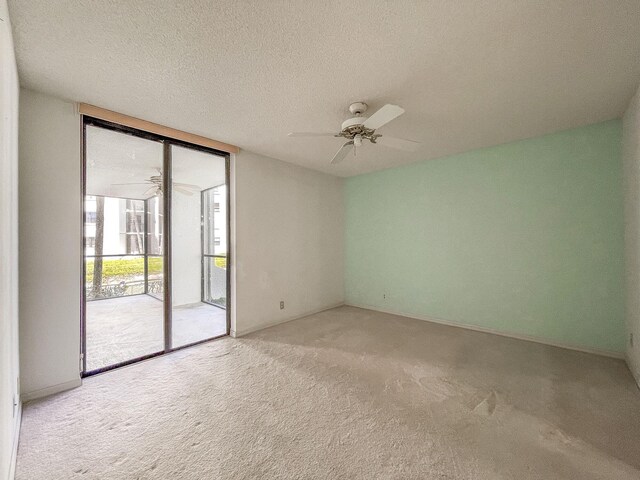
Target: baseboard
14	448
636	377
527	338
44	392
236	334
634	372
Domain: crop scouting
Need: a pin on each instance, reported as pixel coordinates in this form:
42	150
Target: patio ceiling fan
156	186
360	128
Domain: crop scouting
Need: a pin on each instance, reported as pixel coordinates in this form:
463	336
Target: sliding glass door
155	235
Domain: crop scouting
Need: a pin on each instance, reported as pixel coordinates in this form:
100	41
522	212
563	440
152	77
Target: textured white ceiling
469	73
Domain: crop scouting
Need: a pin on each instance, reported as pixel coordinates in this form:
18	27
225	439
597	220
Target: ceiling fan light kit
360	128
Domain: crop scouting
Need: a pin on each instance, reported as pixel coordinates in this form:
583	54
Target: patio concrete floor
124	328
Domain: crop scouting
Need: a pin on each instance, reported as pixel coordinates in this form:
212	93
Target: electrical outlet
384	296
281	305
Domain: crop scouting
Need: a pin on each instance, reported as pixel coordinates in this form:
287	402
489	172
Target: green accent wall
524	238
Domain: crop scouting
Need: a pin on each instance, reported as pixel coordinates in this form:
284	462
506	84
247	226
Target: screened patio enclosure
131	230
155	257
131	237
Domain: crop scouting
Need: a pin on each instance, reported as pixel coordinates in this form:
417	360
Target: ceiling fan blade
399	143
145	183
310	134
187	186
342	153
383	116
184	191
153	191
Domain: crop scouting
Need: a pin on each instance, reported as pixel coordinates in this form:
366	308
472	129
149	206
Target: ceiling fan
156	186
360	128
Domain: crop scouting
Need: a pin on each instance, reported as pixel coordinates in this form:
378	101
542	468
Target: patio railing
124	275
124	289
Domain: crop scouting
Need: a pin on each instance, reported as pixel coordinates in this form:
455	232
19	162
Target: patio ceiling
114	158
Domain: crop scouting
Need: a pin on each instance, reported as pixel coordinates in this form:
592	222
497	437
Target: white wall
9	371
114	242
631	165
186	248
289	227
50	244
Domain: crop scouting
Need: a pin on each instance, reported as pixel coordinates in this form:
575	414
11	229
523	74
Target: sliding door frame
167	144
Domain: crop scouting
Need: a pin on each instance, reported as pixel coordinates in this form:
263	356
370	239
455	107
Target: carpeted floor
344	394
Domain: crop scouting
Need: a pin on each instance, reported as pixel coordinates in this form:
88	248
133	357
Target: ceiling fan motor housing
354	126
351	122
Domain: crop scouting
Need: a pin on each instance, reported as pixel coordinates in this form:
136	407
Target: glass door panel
198	246
122	321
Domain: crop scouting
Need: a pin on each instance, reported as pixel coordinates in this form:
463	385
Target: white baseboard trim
273	323
43	392
16	438
517	336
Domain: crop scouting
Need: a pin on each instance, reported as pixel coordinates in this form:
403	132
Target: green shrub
155	265
124	267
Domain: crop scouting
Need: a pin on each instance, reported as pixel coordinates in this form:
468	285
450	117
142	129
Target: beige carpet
345	394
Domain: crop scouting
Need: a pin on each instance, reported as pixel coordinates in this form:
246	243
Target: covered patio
124	328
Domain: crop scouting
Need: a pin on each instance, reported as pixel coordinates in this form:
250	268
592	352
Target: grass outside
125	267
131	267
